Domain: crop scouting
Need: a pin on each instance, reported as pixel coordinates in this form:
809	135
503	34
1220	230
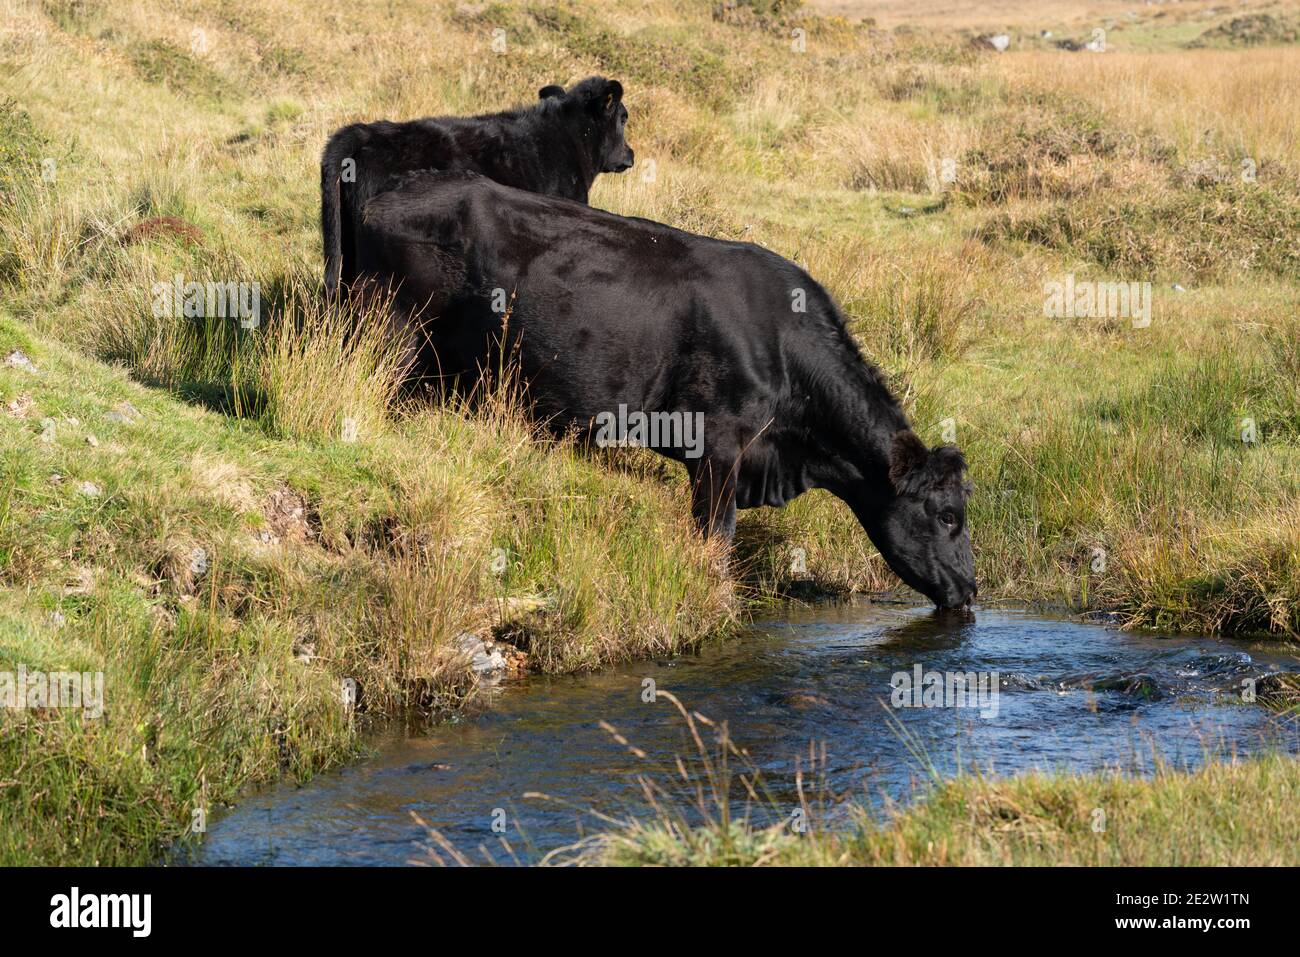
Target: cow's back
608	309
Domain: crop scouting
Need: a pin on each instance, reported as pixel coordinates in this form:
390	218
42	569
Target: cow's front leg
713	495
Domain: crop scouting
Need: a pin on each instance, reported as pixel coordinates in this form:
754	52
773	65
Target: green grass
165	64
373	554
1226	814
714	807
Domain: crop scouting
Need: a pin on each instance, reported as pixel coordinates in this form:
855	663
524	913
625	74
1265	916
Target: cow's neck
857	422
568	141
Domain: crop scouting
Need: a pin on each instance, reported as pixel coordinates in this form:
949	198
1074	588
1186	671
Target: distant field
1026	14
952	14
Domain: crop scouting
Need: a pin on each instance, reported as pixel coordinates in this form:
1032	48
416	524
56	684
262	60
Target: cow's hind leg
713	495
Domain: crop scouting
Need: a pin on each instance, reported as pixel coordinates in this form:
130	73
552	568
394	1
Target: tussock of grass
1203	234
916	312
1226	814
308	345
24	146
1212	398
1033	151
1255	29
162	62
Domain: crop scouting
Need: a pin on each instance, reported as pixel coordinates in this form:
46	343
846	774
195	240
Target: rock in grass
993	41
123	413
484	657
18	360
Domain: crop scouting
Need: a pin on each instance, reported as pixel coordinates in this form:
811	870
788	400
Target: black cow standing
556	146
608	313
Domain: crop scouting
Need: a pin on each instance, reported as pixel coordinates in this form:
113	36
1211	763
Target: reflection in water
930	631
1071	696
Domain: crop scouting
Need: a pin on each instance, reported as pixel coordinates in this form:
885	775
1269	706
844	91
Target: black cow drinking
609	314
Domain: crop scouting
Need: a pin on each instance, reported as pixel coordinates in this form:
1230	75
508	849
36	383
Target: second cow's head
595	105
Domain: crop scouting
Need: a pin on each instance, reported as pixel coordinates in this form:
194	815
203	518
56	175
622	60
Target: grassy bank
230	522
1225	814
227	581
719	809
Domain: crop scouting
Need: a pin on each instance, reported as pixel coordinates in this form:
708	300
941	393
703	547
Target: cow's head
597	103
921	529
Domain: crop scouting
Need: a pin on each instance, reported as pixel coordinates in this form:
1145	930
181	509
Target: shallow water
1071	695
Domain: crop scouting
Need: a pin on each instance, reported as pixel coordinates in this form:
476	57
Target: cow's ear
907	455
546	92
613	95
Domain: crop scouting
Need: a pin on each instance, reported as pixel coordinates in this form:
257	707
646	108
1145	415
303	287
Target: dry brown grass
1205	101
1026	15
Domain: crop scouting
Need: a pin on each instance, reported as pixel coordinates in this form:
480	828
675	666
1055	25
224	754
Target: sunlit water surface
1071	695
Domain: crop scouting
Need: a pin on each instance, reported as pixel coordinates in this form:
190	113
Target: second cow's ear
546	92
613	96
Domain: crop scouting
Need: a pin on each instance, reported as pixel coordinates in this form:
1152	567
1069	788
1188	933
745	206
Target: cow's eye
948	517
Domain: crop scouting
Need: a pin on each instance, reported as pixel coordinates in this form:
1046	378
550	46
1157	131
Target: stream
1069	695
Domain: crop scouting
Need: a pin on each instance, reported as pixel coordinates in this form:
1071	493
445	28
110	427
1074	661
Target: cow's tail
332	217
